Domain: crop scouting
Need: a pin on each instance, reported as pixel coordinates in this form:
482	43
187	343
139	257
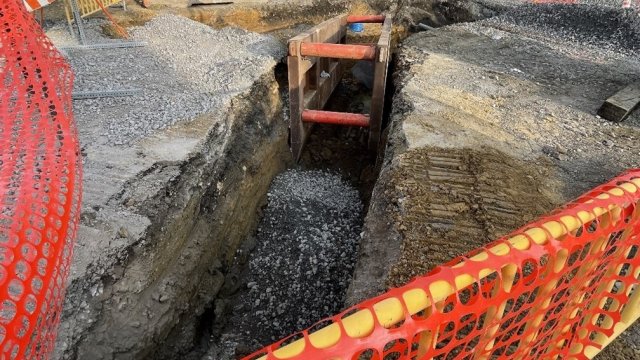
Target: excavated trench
295	261
224	231
293	267
300	249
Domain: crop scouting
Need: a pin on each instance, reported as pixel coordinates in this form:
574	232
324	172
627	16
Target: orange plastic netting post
562	287
40	182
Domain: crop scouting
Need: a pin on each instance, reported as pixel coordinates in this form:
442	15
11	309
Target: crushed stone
306	247
186	69
603	26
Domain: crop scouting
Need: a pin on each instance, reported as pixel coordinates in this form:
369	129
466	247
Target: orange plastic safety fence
40	181
561	287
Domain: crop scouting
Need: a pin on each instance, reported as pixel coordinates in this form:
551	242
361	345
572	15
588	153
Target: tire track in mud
452	201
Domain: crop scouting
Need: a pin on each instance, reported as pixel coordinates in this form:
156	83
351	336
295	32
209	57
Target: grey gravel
306	247
599	24
60	33
187	69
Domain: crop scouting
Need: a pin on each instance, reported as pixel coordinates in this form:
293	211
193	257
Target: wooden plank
329	31
332	33
307	89
619	106
318	98
296	105
379	84
313	75
306	65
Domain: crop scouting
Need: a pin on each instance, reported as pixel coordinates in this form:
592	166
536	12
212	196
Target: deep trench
331	149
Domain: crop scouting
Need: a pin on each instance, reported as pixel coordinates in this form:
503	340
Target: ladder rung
338	51
366	19
336	118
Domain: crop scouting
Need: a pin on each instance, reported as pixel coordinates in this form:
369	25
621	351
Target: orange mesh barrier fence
561	287
39	184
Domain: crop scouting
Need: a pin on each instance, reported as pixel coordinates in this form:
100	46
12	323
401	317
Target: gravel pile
186	69
93	31
305	254
600	24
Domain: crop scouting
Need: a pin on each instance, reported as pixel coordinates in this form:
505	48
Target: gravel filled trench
304	255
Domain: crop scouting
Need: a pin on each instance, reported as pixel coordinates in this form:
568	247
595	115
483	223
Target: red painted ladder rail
315	71
40	185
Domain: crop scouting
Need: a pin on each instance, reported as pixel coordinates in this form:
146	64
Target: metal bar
76	15
425	27
338	51
81	95
109	45
371	19
336	118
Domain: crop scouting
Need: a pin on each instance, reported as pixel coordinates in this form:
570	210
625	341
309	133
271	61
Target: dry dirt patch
452	201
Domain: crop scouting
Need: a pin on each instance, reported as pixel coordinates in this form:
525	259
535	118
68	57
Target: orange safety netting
562	287
40	177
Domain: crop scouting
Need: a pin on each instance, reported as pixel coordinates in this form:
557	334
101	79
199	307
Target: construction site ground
492	123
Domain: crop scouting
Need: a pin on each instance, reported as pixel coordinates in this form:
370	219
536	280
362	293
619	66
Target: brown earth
453	201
